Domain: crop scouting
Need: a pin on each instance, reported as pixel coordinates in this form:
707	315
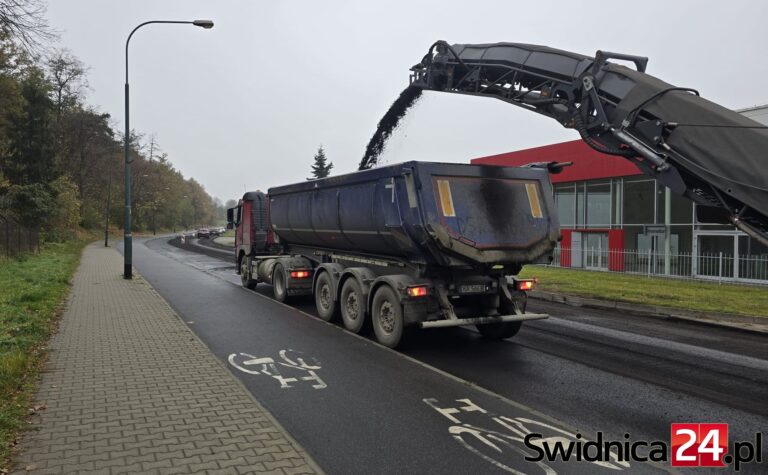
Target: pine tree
321	168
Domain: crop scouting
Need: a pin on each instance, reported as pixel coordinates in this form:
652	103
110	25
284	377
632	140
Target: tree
11	100
65	216
67	77
25	22
321	168
61	158
29	164
86	150
32	157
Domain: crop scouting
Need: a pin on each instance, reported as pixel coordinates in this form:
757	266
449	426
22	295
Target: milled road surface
370	409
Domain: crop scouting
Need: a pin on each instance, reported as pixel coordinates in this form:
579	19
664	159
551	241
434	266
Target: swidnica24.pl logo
692	445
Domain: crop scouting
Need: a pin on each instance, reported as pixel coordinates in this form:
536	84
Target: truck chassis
390	295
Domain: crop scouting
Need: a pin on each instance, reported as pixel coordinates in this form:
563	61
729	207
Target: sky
245	105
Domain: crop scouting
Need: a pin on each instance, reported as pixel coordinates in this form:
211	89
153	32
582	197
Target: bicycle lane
352	404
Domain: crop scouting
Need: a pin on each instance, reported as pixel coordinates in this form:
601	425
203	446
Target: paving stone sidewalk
130	389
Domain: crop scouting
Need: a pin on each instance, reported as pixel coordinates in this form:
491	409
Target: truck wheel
352	305
387	317
278	283
326	305
245	274
499	331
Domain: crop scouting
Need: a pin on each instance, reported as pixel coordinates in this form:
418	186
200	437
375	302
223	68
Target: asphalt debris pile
387	125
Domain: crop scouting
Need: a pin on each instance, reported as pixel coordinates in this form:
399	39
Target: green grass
32	290
684	294
229	233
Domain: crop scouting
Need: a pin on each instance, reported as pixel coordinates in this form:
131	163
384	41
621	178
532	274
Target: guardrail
719	266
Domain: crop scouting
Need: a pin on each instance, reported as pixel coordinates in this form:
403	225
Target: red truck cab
250	220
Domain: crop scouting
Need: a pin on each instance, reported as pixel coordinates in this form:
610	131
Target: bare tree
25	22
68	79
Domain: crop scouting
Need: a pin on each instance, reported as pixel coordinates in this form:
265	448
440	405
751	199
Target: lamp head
207	24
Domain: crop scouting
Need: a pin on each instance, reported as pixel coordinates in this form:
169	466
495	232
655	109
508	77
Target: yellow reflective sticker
533	199
446	200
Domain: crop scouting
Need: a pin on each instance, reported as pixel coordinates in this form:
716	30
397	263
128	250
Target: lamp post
127	237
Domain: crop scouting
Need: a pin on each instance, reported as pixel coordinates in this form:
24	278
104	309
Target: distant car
203	233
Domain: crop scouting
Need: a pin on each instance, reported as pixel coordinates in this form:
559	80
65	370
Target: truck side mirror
230	217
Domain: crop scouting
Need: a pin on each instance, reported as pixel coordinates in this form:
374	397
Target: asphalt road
450	402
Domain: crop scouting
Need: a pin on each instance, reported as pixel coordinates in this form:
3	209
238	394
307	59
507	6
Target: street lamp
128	238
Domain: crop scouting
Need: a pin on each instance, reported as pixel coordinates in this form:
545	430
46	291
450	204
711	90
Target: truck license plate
472	288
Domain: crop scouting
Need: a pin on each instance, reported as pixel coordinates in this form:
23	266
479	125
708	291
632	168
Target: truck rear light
526	284
299	274
420	291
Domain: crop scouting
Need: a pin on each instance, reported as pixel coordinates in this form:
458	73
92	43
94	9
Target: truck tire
245	273
352	305
279	289
499	331
387	317
324	301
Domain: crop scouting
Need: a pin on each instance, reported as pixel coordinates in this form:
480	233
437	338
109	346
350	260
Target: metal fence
719	266
16	239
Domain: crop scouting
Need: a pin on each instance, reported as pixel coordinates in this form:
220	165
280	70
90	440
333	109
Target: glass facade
636	206
598	204
565	199
639	201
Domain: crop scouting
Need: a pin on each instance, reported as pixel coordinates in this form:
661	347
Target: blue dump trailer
415	244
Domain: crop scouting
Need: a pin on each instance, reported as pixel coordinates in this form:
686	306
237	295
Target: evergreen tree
321	168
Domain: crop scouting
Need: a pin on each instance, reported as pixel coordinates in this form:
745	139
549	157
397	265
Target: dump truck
434	245
415	244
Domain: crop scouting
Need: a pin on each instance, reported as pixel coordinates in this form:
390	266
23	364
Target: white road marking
269	367
512	436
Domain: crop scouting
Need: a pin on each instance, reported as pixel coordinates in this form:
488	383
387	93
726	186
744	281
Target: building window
753	259
715	256
639	201
617	189
599	205
565	199
682	208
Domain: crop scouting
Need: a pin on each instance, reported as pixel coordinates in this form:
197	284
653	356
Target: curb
740	322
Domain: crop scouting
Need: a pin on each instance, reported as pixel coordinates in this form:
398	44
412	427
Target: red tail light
420	291
299	274
526	284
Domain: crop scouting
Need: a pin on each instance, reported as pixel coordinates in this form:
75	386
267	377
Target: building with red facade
612	215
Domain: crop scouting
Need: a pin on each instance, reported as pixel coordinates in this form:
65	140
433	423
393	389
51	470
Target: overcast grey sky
246	104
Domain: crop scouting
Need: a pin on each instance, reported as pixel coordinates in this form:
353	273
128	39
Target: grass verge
32	291
684	294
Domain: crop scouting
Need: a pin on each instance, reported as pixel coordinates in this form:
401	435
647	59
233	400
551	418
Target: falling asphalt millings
387	125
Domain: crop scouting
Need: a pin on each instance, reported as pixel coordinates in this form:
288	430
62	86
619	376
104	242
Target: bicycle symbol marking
285	371
490	444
